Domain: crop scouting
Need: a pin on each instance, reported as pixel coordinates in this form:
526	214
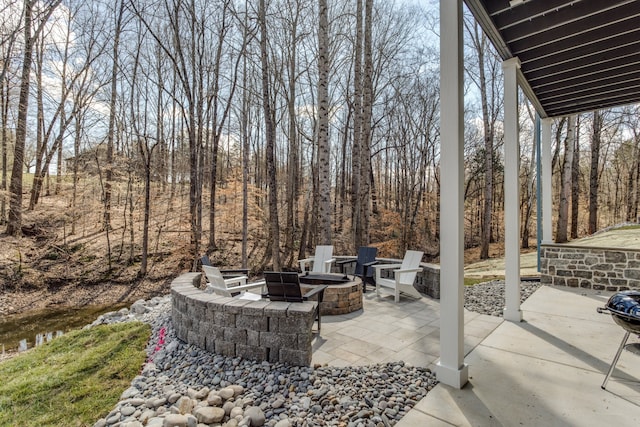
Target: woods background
139	133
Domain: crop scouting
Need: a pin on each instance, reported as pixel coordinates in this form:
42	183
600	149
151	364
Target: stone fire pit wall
256	330
610	269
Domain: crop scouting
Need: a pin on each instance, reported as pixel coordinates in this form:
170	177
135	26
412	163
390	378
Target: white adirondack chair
321	261
225	287
403	276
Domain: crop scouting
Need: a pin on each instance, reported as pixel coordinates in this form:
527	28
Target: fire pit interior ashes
625	310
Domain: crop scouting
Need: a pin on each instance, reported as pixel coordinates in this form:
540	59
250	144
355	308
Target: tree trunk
112	119
270	141
485	238
356	152
14	224
565	191
4	107
575	183
367	113
594	172
324	155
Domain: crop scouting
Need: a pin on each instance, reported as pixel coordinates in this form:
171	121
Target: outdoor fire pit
343	293
625	310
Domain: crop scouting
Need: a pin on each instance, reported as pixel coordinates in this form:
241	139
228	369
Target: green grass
73	380
629	227
470	281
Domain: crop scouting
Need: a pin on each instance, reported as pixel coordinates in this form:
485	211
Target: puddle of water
26	326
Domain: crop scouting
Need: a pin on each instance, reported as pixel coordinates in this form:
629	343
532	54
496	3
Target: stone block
253	338
618	282
196	339
214	331
559	281
255	308
251	352
630	273
210	344
276	309
301	309
293	325
545	279
564	273
330	297
583	274
273	355
572	282
572	255
615	257
273	340
225	348
590	260
223	318
238	336
304	341
295	357
254	323
235	305
274	324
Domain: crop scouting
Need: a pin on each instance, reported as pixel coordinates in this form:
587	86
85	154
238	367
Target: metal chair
285	286
366	259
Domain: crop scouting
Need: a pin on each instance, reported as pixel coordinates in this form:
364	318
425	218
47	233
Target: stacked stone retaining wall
609	269
256	330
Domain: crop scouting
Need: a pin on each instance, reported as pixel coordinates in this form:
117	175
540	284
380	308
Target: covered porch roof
575	55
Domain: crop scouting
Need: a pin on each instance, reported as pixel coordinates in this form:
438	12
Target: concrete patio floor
544	371
385	331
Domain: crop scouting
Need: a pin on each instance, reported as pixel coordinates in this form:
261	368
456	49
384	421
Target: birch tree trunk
565	190
324	156
356	152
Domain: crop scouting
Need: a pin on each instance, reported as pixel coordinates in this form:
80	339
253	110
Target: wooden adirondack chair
235	286
403	276
321	261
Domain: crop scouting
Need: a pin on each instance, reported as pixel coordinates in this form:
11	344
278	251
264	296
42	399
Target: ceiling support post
451	369
512	310
545	140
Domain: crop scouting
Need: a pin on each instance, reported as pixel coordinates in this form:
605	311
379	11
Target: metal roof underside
576	56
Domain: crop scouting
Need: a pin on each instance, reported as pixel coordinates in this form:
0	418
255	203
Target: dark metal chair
366	258
285	286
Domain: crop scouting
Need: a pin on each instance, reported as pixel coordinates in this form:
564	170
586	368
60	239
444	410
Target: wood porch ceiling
576	56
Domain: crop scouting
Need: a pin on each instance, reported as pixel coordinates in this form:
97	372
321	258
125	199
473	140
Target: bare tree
270	136
14	223
324	157
565	190
594	171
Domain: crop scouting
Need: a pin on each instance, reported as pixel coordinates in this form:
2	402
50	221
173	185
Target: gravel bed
488	298
183	385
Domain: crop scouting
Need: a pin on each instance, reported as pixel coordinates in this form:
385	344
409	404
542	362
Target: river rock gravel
183	385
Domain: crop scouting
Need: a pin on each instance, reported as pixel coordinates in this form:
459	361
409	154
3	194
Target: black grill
625	310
